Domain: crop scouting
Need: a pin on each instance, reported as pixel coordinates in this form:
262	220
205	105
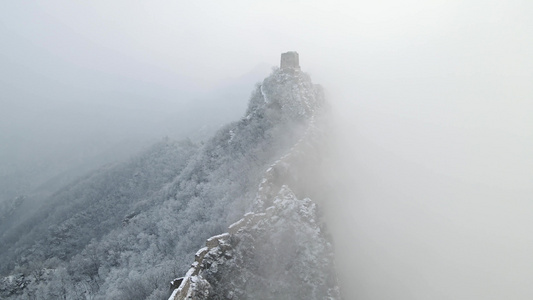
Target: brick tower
290	60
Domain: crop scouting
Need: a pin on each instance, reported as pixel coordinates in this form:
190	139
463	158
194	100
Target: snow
264	258
174	294
264	95
231	135
287	226
200	252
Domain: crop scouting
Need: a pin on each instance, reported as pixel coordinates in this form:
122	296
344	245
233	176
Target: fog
432	149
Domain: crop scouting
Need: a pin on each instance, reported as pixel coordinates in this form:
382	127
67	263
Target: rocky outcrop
280	253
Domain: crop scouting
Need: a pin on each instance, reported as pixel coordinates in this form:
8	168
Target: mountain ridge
217	184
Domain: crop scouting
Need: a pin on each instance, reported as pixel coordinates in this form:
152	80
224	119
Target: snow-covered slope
242	168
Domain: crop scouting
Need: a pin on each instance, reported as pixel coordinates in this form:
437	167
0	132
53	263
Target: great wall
276	183
269	188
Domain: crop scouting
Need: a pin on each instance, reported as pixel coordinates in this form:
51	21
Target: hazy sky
433	100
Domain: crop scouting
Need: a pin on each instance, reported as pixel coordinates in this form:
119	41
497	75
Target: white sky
433	87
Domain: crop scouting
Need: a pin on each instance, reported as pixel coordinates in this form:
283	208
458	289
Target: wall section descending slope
281	250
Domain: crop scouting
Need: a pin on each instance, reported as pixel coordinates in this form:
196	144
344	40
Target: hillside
118	235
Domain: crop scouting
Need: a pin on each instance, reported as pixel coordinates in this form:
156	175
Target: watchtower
290	60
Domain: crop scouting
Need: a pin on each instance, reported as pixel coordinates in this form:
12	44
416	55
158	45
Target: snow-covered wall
274	201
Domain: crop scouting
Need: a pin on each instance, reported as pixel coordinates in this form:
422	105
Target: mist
431	149
432	159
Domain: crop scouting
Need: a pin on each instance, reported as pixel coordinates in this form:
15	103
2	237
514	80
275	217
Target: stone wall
290	60
281	173
269	189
